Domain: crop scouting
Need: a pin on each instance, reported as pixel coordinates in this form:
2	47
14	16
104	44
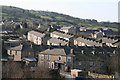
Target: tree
42	72
112	64
12	70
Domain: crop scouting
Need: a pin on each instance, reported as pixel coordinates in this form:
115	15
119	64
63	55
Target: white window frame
60	58
69	58
41	56
49	57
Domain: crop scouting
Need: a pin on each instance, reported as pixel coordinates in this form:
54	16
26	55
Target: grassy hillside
46	17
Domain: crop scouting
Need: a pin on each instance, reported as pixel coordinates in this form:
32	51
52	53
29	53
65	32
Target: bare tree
12	70
42	71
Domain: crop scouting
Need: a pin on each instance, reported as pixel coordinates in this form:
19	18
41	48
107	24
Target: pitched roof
60	52
38	34
106	40
30	59
65	28
62	34
88	42
18	48
57	41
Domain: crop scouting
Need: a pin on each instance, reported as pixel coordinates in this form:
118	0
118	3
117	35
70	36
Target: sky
101	10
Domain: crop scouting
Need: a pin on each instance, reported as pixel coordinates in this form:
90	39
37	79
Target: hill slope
45	17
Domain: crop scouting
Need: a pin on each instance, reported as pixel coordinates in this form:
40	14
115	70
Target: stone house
55	58
64	36
36	37
86	42
19	52
56	41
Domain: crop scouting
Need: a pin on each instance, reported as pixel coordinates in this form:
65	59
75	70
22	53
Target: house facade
86	42
20	52
98	35
64	36
36	37
15	52
70	30
109	42
54	58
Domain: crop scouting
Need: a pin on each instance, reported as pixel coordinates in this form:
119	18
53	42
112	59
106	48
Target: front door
59	65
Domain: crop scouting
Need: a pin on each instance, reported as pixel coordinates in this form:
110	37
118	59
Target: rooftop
18	48
54	52
65	28
57	41
62	34
38	34
106	40
88	42
29	59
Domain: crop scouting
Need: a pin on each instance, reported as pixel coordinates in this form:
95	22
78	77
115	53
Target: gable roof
88	42
60	52
18	48
65	28
57	41
106	40
62	34
38	34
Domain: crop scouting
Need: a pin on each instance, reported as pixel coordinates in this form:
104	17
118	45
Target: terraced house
63	36
36	37
55	58
56	41
86	42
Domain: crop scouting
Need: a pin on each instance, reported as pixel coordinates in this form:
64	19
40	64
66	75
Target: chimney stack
59	44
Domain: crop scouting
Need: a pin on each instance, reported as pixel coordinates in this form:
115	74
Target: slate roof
62	34
65	28
106	40
88	42
57	41
90	31
18	48
60	52
111	33
30	59
117	43
38	34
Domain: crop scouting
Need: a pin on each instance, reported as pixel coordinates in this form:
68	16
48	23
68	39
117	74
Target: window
59	58
49	57
52	65
29	53
91	63
16	53
69	59
10	52
82	52
80	63
49	65
13	52
41	57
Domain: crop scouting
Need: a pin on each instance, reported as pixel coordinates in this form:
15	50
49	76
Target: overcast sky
101	10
